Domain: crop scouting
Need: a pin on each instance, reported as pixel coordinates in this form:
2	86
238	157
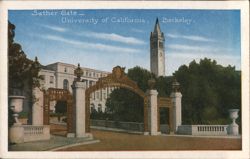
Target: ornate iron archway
116	79
63	95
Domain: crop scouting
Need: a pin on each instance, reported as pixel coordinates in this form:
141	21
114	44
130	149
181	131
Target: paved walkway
120	141
111	139
56	142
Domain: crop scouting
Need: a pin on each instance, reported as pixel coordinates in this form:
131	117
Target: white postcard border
22	5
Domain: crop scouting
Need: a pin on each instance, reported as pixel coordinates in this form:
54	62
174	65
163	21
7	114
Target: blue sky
102	39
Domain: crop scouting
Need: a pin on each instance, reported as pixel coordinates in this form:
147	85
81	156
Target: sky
103	39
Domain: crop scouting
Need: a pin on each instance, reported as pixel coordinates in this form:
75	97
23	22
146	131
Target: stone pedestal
37	108
233	129
152	112
80	110
16	105
16	133
176	99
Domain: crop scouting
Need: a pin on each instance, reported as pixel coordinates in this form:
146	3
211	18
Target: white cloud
103	36
94	46
113	37
54	28
137	30
180	47
191	37
198	49
179	54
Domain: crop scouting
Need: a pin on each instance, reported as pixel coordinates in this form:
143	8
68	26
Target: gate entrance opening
117	79
64	98
166	106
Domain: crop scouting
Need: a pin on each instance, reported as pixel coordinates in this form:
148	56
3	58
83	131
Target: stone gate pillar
37	107
79	105
152	112
176	110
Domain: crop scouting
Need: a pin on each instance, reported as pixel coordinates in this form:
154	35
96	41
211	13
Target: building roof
74	66
46	68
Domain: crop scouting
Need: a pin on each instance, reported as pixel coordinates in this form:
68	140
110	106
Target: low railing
134	126
219	130
35	133
33	130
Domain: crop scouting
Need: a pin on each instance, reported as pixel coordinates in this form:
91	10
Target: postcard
124	79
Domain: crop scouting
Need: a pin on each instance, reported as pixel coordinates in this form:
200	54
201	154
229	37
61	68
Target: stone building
61	75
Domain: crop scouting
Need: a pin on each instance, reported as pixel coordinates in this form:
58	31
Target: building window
104	96
65	69
51	79
65	84
99	107
97	95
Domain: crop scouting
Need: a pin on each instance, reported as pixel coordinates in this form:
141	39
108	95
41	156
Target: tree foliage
61	107
22	71
208	90
124	105
140	76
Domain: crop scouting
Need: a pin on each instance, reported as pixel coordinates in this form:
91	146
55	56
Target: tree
140	76
23	73
125	105
61	107
208	90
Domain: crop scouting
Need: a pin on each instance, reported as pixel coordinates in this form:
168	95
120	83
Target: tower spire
157	26
157	50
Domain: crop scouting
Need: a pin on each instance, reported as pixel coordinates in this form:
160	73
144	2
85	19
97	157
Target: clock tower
157	51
